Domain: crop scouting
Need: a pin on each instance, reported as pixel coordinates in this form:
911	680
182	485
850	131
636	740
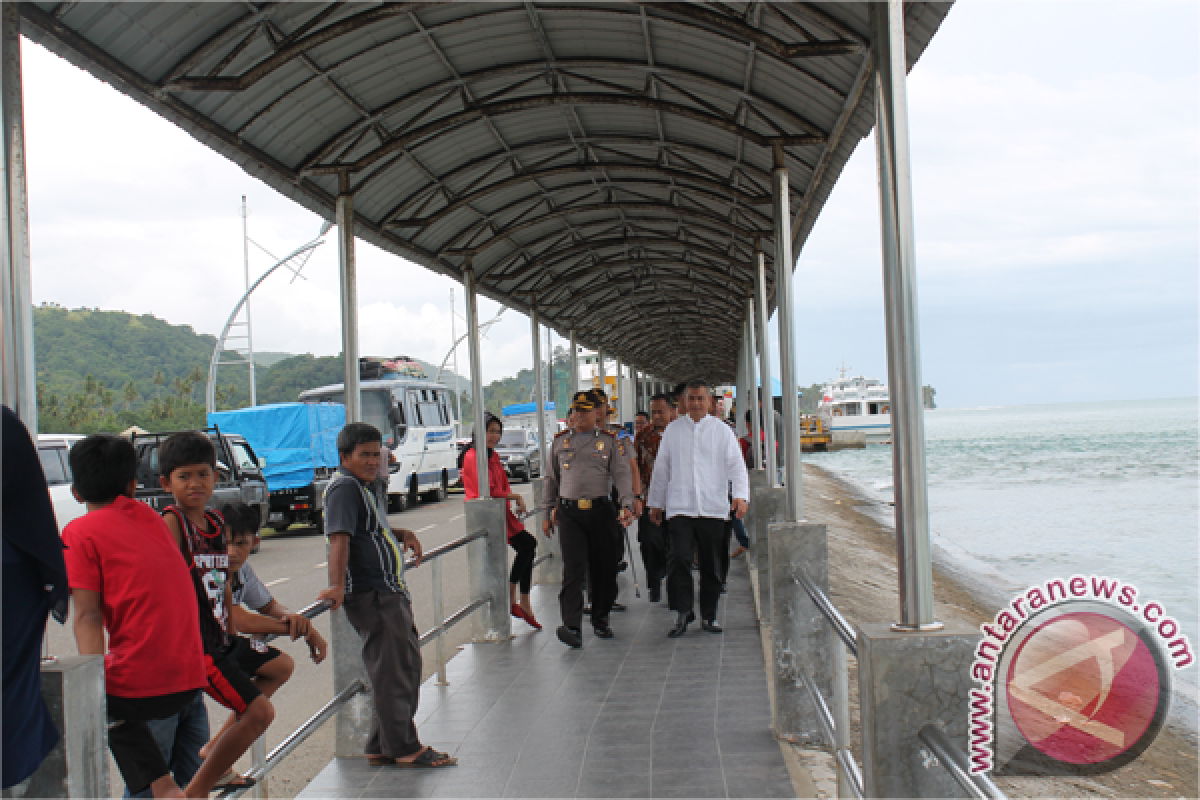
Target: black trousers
522	566
653	541
726	538
703	536
391	653
132	742
589	553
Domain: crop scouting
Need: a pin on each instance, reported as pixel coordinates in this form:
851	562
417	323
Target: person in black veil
35	585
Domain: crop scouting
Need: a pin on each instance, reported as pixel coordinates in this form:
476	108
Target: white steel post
574	371
786	305
915	565
756	443
20	372
476	380
538	391
600	369
439	622
764	370
347	273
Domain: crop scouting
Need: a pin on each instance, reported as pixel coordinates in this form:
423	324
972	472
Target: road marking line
276	582
460	516
427	527
322	565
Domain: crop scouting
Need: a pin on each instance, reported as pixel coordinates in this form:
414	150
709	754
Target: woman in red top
519	539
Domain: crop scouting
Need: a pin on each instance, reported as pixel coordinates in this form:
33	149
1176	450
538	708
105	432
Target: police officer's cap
583	401
599	396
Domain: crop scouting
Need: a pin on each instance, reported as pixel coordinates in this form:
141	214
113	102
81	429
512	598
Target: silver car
519	452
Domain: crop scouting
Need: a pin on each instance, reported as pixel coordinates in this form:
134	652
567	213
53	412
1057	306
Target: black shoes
602	631
682	618
618	606
712	626
622	566
571	637
587	611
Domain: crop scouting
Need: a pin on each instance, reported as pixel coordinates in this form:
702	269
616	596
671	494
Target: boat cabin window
873	408
851	409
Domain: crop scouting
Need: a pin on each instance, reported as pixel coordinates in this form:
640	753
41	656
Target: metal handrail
840	626
296	738
453	619
448	547
954	760
844	758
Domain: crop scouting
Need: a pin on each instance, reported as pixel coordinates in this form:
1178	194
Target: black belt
582	503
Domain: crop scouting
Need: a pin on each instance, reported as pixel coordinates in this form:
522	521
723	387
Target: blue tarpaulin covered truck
298	443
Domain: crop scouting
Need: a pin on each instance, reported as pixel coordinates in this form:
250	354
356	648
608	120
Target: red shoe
528	617
517	611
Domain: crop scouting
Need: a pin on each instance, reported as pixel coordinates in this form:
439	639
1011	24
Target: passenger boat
858	404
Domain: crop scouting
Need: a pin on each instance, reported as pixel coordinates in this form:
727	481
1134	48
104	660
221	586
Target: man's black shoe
712	626
618	606
571	637
682	618
622	566
655	595
602	631
587	611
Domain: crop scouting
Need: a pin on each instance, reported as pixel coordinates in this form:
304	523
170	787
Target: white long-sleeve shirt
696	465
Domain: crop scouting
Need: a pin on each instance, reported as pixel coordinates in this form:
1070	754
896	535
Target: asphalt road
293	566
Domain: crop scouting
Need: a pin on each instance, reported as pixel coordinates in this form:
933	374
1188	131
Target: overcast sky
1055	174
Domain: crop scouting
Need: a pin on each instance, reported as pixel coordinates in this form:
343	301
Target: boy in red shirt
126	577
187	462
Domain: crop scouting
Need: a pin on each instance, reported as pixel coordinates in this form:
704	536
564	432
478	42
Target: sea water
1048	491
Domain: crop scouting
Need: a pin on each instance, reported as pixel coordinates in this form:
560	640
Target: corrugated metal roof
608	161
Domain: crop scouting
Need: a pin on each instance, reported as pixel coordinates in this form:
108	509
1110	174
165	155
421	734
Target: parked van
414	415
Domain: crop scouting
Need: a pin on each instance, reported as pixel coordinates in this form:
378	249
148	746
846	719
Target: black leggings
522	566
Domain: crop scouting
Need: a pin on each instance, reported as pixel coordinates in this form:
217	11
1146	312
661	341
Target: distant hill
268	358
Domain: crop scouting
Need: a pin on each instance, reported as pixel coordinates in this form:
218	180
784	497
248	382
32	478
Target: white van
415	418
53	449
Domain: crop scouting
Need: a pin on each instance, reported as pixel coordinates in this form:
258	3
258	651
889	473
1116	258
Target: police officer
606	421
584	464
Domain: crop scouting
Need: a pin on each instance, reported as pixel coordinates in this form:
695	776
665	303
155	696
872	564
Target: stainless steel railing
262	762
836	723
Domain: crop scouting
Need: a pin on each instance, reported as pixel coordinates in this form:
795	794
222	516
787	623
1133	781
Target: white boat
858	404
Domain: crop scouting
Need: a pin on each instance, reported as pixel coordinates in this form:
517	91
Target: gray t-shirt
376	557
249	591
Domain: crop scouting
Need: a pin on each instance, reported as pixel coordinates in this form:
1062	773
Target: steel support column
764	371
348	275
19	369
600	369
786	305
756	442
574	370
914	559
538	390
476	378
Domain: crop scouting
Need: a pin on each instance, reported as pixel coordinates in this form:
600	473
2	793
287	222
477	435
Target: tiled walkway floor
640	715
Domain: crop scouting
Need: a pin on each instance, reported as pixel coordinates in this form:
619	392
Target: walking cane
636	591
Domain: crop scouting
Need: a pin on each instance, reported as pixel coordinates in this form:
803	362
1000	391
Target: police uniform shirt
587	465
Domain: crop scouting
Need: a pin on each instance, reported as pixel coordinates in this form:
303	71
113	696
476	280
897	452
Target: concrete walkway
640	715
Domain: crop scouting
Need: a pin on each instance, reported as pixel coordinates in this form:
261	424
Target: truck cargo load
294	439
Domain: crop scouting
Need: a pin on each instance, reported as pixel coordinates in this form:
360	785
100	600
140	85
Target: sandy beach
862	556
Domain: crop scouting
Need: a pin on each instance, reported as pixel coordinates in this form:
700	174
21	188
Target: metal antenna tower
243	340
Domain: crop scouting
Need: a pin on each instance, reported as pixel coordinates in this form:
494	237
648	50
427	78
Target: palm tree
159	380
177	386
89	385
131	395
195	377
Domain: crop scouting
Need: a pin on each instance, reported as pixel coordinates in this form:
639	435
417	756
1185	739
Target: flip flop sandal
380	761
428	759
231	780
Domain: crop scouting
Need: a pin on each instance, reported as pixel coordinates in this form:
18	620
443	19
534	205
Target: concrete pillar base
487	569
73	688
905	681
354	719
550	570
770	506
802	637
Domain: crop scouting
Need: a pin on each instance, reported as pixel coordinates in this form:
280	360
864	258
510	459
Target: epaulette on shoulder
608	433
563	432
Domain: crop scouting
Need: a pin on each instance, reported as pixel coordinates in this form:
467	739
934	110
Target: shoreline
862	573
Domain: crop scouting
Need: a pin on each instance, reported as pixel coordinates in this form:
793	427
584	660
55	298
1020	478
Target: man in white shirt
698	461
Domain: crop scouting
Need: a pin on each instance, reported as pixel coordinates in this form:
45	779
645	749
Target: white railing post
439	620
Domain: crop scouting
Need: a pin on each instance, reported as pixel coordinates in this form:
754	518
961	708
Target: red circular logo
1083	688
